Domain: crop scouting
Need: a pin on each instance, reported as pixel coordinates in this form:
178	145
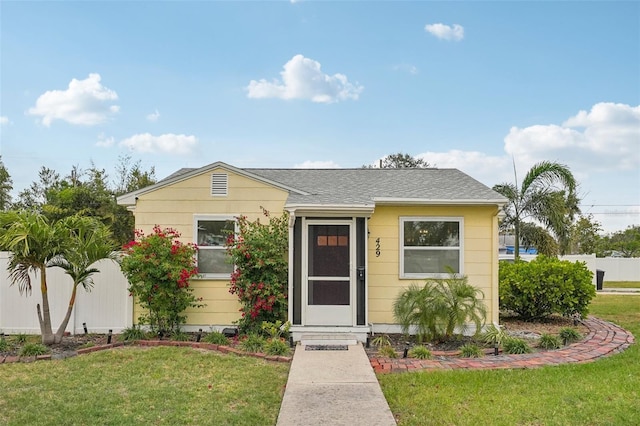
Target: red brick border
604	339
195	345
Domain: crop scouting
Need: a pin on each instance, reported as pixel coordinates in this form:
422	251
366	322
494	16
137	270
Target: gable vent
219	184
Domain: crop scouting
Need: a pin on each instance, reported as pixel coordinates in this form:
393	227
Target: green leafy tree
585	236
259	252
400	161
6	185
36	243
626	242
159	267
440	307
88	242
546	195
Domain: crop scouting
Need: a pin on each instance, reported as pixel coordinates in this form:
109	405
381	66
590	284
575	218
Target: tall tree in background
6	185
626	243
585	236
400	161
547	195
87	193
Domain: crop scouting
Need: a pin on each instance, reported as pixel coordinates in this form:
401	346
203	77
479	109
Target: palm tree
547	194
33	243
73	244
89	241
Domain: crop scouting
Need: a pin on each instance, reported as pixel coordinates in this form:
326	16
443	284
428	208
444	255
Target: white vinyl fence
106	307
619	268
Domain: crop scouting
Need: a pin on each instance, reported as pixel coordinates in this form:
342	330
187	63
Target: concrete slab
333	387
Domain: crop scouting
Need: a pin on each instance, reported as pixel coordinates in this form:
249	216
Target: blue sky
471	85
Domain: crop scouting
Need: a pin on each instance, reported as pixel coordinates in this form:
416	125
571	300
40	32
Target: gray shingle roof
356	187
364	186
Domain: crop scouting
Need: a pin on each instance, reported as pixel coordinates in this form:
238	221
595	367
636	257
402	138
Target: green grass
132	386
621	284
605	392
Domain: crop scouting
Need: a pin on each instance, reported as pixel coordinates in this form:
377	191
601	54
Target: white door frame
339	315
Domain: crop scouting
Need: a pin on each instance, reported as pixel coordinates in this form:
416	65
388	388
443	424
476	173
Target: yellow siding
174	206
479	251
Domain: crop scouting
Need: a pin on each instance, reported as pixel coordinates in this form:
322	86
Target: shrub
276	347
493	335
387	351
158	267
216	338
568	335
33	349
253	343
133	333
544	286
515	345
4	345
259	252
420	352
471	350
381	340
439	308
276	330
180	336
549	341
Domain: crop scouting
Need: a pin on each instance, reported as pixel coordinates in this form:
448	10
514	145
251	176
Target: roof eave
426	201
330	210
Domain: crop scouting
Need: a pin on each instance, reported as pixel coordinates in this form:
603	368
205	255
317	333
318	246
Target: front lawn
601	393
621	284
130	386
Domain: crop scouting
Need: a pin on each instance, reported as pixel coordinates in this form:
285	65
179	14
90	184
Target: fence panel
619	268
106	307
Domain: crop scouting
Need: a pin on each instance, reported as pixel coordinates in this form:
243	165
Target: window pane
214	232
213	261
431	261
329	250
431	234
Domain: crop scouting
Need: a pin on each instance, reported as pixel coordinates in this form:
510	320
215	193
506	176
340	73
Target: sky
485	87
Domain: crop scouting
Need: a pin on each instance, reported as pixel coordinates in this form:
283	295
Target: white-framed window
430	247
211	232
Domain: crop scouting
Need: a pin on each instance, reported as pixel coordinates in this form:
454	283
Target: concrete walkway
333	387
620	291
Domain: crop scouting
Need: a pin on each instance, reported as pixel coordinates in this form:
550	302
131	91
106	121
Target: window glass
430	247
211	238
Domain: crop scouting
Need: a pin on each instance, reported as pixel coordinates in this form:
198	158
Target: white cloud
605	138
4	120
86	102
317	165
168	143
487	169
411	69
302	78
104	141
153	116
446	32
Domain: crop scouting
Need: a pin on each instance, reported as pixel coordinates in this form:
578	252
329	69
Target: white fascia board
426	201
328	210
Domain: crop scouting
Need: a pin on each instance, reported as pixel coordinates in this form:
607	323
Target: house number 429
378	247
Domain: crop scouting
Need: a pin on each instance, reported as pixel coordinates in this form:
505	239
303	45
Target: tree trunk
516	243
60	333
44	316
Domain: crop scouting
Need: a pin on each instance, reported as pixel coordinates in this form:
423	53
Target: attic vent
219	184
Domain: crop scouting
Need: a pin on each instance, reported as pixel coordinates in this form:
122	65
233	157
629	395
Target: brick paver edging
604	339
195	345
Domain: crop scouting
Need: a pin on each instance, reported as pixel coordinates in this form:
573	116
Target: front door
329	273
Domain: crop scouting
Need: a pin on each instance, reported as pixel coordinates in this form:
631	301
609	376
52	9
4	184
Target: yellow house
357	237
